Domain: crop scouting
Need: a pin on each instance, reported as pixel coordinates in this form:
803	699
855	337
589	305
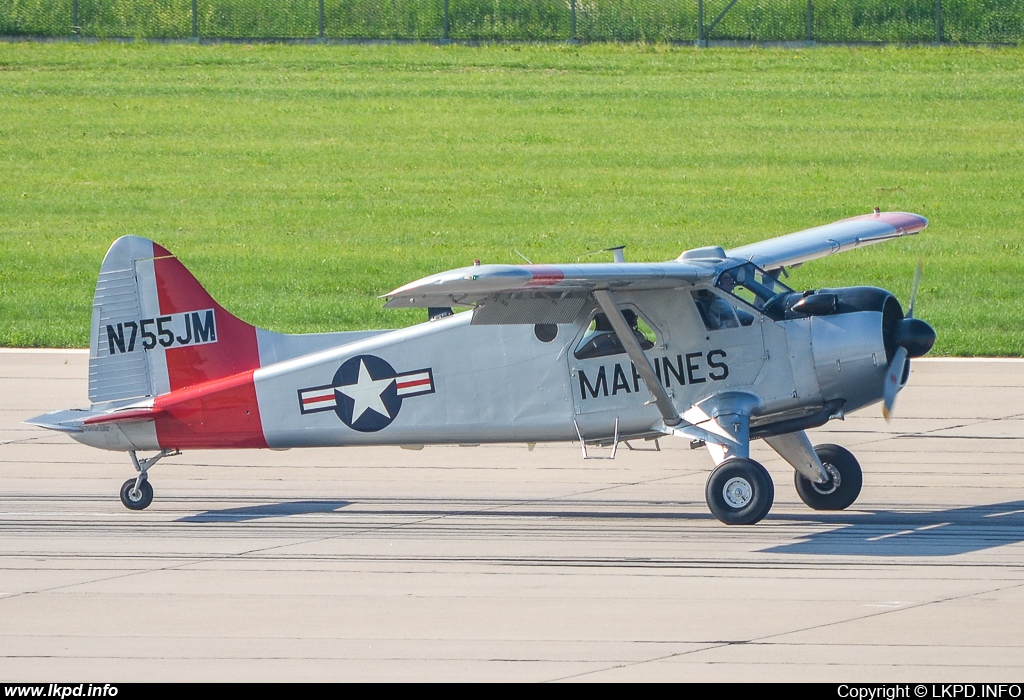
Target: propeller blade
913	292
893	375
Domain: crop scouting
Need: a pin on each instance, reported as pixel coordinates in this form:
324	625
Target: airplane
712	347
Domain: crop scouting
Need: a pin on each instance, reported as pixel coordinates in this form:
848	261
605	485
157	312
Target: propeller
914	338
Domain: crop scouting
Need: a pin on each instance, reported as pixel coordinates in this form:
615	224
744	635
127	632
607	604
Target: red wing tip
899	220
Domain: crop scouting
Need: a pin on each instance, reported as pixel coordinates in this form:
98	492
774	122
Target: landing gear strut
137	493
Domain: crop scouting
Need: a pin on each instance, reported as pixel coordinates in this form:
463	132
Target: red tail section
235	349
220	413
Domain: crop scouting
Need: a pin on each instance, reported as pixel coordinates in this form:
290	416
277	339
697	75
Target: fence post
700	23
572	22
447	24
195	20
810	21
321	17
76	31
938	21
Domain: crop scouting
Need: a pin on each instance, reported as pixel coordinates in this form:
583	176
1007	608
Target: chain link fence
679	21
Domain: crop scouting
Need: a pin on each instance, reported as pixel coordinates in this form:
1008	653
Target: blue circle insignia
366	393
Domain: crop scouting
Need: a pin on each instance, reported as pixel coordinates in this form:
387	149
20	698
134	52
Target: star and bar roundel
366	393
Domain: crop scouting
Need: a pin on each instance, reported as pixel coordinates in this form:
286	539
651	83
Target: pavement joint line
22	441
998	589
642	662
114	577
964	437
345	535
613	487
761	640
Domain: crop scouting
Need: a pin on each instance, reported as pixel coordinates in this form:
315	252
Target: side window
600	339
717	313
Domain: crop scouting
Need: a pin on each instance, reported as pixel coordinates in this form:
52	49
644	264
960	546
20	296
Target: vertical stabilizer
155	329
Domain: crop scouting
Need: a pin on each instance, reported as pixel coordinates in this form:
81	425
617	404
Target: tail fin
155	329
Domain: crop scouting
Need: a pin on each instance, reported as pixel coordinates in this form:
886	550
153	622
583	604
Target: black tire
740	492
142	499
844	487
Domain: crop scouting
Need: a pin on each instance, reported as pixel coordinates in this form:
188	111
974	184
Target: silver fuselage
501	383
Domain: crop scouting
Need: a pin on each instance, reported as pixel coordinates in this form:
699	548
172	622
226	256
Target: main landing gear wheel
843	486
136	499
740	492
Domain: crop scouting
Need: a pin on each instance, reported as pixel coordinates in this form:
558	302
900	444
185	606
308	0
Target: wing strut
636	354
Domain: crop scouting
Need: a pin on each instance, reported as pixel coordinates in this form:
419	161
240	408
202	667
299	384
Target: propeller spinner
914	338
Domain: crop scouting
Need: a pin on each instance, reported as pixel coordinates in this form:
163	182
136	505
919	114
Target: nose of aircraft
915	336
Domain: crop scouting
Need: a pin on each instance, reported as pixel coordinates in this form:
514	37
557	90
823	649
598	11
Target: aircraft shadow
853	533
270	510
901	534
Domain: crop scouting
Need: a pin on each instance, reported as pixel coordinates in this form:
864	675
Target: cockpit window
751	284
600	339
717	313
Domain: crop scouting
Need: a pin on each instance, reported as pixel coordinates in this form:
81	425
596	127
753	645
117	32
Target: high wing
480	284
796	248
542	293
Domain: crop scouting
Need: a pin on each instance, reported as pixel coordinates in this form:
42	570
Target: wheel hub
737	492
833	483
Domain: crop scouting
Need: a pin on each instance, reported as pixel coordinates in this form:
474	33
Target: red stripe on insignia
317	399
415	382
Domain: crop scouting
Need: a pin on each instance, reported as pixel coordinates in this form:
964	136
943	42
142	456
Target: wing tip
905	221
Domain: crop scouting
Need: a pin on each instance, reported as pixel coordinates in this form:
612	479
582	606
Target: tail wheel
740	492
843	486
136	499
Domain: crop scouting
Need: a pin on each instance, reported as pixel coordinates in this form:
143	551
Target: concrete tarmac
504	564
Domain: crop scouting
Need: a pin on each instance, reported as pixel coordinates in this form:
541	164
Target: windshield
751	284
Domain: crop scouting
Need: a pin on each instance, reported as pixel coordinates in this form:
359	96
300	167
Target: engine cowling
855	334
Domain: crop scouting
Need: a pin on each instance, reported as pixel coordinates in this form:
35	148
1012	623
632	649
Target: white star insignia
366	393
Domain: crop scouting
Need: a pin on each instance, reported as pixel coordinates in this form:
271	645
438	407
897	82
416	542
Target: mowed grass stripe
300	182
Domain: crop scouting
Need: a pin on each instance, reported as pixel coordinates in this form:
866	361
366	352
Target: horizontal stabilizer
124	416
68	421
76	419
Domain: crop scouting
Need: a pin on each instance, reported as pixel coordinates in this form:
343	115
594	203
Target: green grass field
907	21
300	182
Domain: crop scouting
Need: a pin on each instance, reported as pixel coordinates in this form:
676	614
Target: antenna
530	262
617	254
